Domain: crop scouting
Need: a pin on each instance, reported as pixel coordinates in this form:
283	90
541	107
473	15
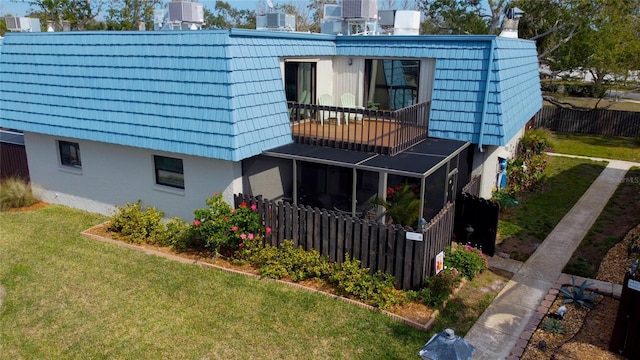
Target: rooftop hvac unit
386	17
332	27
362	9
280	20
185	11
276	21
22	24
407	22
332	11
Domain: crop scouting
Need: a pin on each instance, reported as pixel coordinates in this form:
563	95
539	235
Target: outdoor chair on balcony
324	100
348	100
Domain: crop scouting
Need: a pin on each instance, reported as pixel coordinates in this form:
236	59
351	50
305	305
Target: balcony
379	131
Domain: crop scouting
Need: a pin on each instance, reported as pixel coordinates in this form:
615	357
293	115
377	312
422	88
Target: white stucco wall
113	175
486	163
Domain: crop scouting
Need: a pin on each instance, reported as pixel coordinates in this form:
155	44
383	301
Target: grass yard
607	147
590	103
619	216
71	297
522	228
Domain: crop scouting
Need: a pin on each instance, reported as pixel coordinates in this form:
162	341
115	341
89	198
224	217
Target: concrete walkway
498	329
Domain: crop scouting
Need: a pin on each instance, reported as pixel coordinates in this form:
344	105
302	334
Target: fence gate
476	222
625	339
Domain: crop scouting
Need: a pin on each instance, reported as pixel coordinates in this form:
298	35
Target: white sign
414	236
439	262
634	284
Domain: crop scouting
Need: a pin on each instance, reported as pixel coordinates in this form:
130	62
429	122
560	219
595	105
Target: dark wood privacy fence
599	122
476	222
13	161
377	246
473	186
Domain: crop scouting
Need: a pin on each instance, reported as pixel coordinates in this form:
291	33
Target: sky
21	8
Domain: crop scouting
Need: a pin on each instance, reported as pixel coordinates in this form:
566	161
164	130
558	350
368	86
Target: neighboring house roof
461	101
220	94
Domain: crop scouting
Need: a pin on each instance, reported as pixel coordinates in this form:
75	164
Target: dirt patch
36	206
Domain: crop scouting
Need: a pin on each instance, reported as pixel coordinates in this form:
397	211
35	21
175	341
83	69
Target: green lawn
607	147
71	297
522	227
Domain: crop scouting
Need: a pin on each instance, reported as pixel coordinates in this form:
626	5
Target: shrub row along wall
377	246
599	121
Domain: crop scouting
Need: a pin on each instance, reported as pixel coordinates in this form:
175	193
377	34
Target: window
169	171
392	84
70	154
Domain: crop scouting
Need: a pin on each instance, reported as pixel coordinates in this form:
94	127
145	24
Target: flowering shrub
402	204
220	225
466	259
437	288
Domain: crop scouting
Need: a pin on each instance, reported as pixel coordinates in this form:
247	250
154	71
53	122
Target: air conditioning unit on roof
185	11
22	24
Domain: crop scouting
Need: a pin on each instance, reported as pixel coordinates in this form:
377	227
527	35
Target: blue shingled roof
460	81
220	94
215	94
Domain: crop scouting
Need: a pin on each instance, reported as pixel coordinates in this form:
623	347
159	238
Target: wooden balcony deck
383	132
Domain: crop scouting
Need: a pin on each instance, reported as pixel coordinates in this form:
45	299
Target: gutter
486	95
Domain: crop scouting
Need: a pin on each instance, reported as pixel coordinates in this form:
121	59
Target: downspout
483	119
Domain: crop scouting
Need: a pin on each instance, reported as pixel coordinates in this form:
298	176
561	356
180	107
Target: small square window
69	154
169	171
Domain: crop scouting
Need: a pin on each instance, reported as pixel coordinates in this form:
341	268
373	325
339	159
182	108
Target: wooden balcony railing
380	131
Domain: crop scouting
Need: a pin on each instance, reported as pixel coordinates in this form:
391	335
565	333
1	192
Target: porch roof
418	161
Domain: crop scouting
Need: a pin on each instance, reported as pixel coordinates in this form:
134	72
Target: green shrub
286	261
468	260
438	288
178	235
353	281
535	142
15	193
137	223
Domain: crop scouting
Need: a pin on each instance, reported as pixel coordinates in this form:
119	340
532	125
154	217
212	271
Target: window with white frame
169	171
70	154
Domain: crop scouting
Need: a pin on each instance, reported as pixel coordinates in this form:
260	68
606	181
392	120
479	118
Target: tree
224	16
76	13
598	36
3	26
461	16
130	14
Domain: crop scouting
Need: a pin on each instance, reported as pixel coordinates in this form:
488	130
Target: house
172	117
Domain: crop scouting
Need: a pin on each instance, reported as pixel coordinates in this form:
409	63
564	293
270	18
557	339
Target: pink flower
243	236
233	211
253	207
268	230
250	236
215	194
234	229
196	223
224	218
240	245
